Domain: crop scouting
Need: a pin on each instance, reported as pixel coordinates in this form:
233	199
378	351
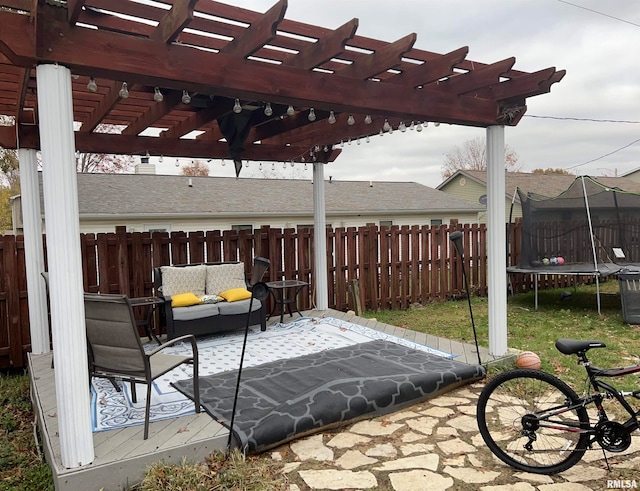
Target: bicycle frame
602	390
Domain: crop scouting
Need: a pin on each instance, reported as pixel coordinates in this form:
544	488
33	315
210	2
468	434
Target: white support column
33	251
496	241
55	108
320	237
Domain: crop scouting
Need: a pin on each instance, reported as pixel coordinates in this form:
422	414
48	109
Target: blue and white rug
112	409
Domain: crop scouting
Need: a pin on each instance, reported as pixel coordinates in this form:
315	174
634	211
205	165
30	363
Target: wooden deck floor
122	456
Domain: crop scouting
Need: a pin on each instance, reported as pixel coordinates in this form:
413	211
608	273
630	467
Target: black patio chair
115	349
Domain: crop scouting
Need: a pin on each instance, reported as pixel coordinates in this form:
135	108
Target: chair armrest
186	337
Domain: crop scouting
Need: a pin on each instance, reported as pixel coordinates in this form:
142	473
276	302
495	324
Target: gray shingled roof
550	185
141	194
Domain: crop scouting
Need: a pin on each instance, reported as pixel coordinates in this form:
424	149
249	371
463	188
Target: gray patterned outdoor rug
287	398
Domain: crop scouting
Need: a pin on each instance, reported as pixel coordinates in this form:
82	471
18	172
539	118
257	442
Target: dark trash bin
629	282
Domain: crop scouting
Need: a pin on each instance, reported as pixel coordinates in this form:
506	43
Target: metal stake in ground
259	291
456	238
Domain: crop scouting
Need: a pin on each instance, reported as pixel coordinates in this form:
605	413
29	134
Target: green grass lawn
537	330
21	466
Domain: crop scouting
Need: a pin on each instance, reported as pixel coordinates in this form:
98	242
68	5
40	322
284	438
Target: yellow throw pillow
234	294
184	300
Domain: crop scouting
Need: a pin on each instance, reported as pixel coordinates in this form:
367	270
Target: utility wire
600	13
605	155
594	120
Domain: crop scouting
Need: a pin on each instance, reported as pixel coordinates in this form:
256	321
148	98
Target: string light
237	108
124	91
351	121
386	126
418	127
177	162
332	117
402	127
268	111
186	98
312	115
157	95
290	110
92	86
367	119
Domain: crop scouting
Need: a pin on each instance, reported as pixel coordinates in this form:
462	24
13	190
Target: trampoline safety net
587	224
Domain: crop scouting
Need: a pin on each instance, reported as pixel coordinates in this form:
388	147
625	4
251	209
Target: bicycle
535	422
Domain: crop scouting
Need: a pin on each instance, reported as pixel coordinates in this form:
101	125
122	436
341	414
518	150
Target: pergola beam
380	61
111	55
74	8
258	34
198	119
171	25
432	70
154	113
106	104
325	48
476	79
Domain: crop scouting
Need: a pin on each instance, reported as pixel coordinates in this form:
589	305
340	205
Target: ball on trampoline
560	260
545	261
528	359
553	261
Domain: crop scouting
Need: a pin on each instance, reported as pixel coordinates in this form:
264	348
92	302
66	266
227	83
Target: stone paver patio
433	446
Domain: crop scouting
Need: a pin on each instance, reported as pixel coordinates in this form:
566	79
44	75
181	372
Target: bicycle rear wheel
514	425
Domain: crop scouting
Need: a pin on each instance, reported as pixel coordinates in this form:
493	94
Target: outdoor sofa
206	298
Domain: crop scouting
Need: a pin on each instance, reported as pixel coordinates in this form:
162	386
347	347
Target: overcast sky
598	51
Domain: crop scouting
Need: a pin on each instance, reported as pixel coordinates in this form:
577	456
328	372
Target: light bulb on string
391	130
186	98
177	162
325	149
260	166
411	126
332	117
312	115
161	159
292	164
358	141
268	111
436	124
402	127
305	166
386	126
92	86
367	119
381	132
273	166
418	127
284	165
237	108
351	120
349	141
223	163
341	143
290	110
157	95
124	91
367	139
426	124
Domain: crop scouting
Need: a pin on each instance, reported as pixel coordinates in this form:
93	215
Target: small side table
285	293
148	304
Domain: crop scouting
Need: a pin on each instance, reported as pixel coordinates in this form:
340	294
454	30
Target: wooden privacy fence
393	267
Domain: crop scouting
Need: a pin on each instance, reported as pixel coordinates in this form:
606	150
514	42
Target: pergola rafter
218	52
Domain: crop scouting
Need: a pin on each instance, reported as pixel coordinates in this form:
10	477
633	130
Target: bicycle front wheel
527	420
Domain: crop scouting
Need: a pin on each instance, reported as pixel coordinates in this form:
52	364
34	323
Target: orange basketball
528	359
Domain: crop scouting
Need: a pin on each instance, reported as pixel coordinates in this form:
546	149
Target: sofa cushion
187	279
196	311
239	307
235	294
221	277
184	300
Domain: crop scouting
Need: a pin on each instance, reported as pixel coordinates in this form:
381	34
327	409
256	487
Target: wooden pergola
203	56
204	79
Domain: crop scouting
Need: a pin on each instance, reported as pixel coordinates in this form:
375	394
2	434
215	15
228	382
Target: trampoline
589	229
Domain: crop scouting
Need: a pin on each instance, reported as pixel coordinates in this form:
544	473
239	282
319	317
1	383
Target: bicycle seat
573	346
